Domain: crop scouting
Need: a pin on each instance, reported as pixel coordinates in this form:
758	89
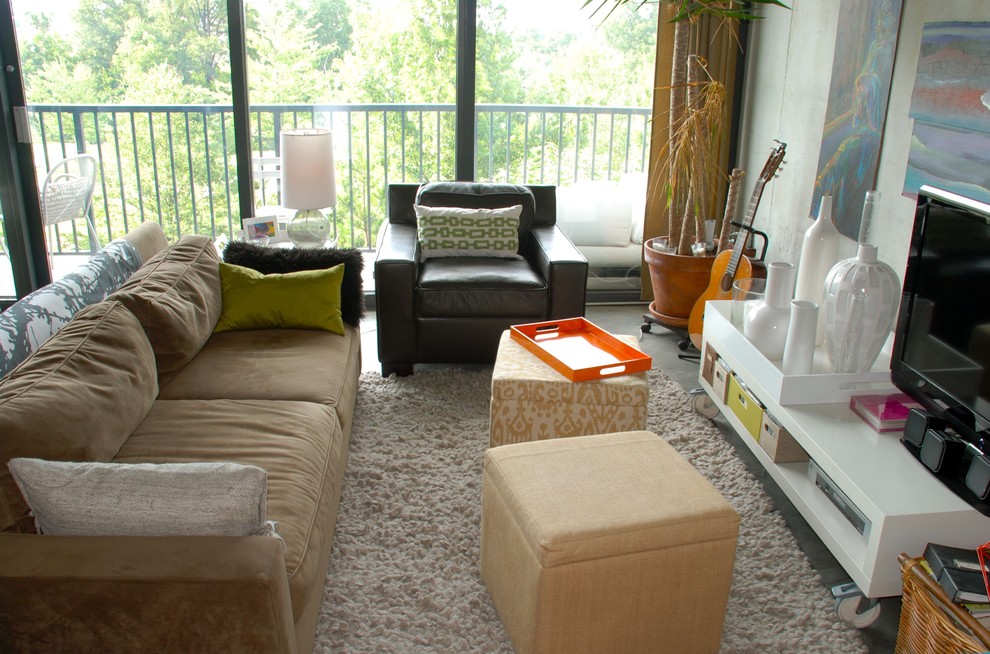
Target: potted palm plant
690	170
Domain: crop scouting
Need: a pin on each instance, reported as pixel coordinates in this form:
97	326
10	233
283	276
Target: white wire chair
67	195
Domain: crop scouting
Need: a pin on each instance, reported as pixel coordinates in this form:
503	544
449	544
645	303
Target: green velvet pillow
308	299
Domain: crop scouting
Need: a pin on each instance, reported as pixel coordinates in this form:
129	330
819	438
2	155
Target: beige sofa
141	378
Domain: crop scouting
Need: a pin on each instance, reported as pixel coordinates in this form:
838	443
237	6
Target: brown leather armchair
453	310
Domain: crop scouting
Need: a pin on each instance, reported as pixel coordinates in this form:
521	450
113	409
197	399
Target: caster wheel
847	608
704	406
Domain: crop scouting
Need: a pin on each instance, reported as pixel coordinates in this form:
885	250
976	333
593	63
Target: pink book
884	413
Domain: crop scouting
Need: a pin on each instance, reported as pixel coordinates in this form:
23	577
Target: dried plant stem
678	109
735	181
702	154
688	226
694	159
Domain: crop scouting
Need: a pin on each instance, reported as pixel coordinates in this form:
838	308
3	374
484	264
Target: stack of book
958	571
884	413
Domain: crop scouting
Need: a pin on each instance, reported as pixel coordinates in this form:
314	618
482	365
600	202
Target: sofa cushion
480	287
268	260
480	195
460	232
77	398
308	299
300	446
144	499
33	319
176	297
269	364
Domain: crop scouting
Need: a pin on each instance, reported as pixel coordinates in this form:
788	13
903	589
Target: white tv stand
906	506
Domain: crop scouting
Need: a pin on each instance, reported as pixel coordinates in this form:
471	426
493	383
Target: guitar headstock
774	162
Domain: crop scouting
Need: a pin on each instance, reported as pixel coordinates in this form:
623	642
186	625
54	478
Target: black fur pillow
268	260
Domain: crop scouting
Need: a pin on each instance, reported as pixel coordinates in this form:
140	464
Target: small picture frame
259	229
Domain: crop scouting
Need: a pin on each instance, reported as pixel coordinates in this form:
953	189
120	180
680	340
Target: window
146	87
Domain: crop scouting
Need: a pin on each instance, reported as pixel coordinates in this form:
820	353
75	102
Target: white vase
799	348
860	303
766	323
819	252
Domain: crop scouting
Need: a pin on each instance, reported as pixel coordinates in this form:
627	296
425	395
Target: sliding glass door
549	94
380	76
144	87
563	98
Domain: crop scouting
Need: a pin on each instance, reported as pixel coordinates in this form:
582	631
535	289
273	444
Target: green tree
285	57
330	23
102	26
190	36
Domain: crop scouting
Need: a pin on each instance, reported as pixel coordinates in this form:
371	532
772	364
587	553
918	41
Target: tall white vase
799	348
766	323
860	303
819	252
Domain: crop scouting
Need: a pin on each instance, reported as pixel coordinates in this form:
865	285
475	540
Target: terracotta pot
678	281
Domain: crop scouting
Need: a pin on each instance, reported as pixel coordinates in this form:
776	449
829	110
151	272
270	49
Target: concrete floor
662	345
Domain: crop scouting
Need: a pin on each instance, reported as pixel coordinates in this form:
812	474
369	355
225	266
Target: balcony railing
175	164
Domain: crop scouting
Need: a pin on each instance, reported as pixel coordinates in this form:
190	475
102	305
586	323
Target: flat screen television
941	351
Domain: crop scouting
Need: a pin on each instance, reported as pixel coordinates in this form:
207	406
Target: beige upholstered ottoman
607	543
532	401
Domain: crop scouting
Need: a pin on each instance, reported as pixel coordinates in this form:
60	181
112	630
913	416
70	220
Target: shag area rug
404	569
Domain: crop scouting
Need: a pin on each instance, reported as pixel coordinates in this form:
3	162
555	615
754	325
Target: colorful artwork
857	106
950	146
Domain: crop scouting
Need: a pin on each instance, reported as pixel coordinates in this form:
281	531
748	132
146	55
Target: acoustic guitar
730	265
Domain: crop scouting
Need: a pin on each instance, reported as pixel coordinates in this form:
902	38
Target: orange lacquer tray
580	350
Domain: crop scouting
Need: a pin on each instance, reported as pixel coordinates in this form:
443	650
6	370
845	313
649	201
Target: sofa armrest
396	272
563	267
144	594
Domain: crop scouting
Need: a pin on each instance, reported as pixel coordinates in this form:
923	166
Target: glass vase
859	305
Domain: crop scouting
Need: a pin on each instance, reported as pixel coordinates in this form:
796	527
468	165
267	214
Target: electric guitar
729	265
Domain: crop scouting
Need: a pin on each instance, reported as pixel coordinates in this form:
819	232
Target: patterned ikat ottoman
532	401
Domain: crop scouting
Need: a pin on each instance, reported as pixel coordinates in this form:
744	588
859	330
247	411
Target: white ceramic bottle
862	296
819	252
799	348
765	326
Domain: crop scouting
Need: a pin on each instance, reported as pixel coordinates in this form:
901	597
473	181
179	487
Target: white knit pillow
144	499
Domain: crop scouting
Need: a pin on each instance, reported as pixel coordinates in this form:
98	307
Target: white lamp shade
308	180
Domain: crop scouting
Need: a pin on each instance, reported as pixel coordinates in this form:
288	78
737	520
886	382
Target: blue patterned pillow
36	317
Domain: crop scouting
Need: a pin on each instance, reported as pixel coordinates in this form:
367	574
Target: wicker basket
930	623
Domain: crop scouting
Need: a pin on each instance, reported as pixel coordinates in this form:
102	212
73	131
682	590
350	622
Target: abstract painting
950	146
857	106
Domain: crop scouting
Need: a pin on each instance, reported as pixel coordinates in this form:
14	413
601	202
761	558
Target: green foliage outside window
168	153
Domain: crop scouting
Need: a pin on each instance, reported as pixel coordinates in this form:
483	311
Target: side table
532	401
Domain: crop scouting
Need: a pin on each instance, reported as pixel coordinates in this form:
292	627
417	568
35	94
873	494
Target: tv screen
942	342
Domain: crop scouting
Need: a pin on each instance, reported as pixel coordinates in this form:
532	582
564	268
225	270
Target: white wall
787	83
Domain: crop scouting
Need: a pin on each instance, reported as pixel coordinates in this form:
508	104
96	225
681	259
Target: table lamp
308	184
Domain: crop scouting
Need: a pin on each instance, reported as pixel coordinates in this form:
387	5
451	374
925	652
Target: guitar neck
740	245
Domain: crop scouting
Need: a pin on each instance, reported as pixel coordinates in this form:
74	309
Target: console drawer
745	406
720	380
778	442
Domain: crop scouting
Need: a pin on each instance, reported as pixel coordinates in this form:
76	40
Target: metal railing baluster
407	144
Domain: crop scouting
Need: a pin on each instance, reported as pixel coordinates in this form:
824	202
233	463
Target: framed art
257	228
857	105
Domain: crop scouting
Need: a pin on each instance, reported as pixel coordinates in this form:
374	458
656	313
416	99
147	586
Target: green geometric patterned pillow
460	232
